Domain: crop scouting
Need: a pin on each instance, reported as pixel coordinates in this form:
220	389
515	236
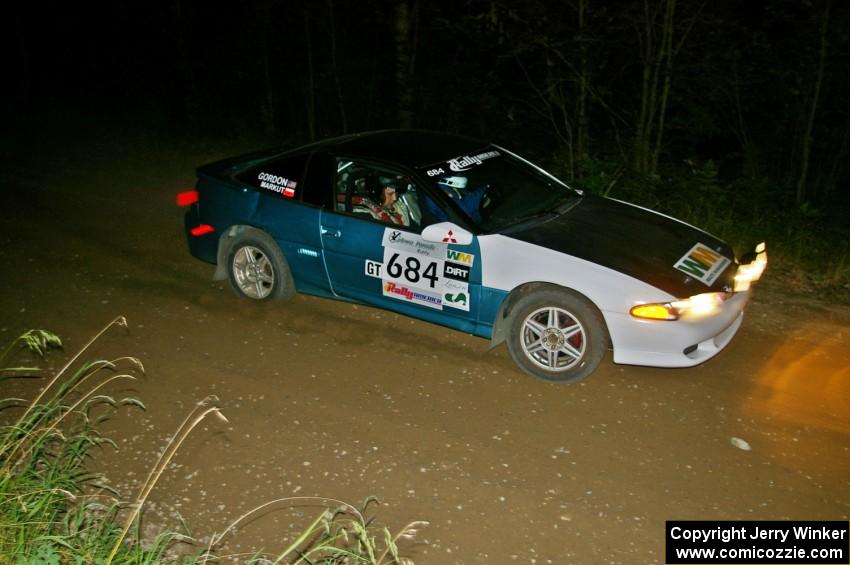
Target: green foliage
47	511
343	535
51	512
36	341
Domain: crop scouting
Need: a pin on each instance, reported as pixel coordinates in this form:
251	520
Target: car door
390	265
286	212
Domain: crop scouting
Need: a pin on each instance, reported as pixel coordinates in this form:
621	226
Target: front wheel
556	335
258	270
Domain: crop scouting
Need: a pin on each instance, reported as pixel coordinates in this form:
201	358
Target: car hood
662	251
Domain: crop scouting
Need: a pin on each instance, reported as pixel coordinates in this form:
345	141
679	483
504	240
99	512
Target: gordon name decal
703	263
281	185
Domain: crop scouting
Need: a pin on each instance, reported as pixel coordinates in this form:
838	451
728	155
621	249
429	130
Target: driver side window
377	194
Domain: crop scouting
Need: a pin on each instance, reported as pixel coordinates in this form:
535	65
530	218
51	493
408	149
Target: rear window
282	176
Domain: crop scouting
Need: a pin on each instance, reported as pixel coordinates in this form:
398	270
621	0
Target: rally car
470	235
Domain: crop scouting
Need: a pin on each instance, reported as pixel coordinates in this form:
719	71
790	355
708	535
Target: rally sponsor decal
275	183
418	271
456	271
414	295
466	162
456	295
460	257
411	243
703	263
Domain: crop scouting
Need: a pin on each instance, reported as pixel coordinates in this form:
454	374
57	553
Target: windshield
495	188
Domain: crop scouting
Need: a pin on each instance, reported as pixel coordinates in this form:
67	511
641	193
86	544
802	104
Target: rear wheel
556	335
257	269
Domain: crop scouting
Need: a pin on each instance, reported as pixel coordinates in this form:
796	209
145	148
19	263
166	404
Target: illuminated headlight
697	306
751	270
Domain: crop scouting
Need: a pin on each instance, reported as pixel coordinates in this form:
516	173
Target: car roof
412	148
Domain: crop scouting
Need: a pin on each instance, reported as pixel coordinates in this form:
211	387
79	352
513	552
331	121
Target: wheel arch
502	320
226	239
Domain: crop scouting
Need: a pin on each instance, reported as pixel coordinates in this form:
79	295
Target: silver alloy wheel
253	272
553	339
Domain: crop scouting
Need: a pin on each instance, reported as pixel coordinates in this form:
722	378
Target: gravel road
342	401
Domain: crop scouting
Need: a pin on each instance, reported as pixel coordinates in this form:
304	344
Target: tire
556	335
257	269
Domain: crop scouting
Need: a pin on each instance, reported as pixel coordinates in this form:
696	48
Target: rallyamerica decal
703	263
466	162
413	295
418	271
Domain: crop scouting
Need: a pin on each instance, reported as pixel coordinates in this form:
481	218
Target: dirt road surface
341	401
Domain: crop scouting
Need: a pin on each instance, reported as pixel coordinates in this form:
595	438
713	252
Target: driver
382	201
468	200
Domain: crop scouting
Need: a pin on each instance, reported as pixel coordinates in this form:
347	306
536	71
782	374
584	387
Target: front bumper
680	343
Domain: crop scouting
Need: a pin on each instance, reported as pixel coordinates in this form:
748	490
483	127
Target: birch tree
661	37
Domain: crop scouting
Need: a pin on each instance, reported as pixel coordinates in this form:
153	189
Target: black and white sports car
470	235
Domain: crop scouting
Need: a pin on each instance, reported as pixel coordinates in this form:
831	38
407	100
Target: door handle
327	232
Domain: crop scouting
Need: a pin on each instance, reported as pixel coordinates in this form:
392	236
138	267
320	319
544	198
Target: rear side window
281	176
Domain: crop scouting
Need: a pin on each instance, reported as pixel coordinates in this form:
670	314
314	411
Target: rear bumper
681	343
203	247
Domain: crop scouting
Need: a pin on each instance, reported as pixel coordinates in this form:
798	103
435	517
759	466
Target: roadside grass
54	511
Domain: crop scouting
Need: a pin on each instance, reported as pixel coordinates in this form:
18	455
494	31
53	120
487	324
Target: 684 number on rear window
419	272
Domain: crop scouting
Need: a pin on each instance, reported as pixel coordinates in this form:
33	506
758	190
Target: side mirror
447	232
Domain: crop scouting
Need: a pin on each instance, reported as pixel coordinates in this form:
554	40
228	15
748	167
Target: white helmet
454	182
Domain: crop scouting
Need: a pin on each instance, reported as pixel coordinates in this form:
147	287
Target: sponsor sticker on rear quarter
703	263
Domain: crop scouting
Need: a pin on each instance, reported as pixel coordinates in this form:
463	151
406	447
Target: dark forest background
732	114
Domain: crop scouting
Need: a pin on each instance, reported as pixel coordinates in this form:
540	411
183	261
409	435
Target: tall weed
53	511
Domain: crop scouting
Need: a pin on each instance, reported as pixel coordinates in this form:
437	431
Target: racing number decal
412	278
410	269
424	273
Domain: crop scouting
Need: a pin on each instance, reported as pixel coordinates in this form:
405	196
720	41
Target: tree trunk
335	69
657	80
560	103
311	88
839	160
740	129
666	55
806	141
191	96
403	32
582	134
651	76
268	109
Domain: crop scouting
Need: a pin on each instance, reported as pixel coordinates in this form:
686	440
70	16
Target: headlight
696	306
753	265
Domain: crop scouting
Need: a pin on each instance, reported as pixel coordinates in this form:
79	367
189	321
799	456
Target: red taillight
187	198
201	230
